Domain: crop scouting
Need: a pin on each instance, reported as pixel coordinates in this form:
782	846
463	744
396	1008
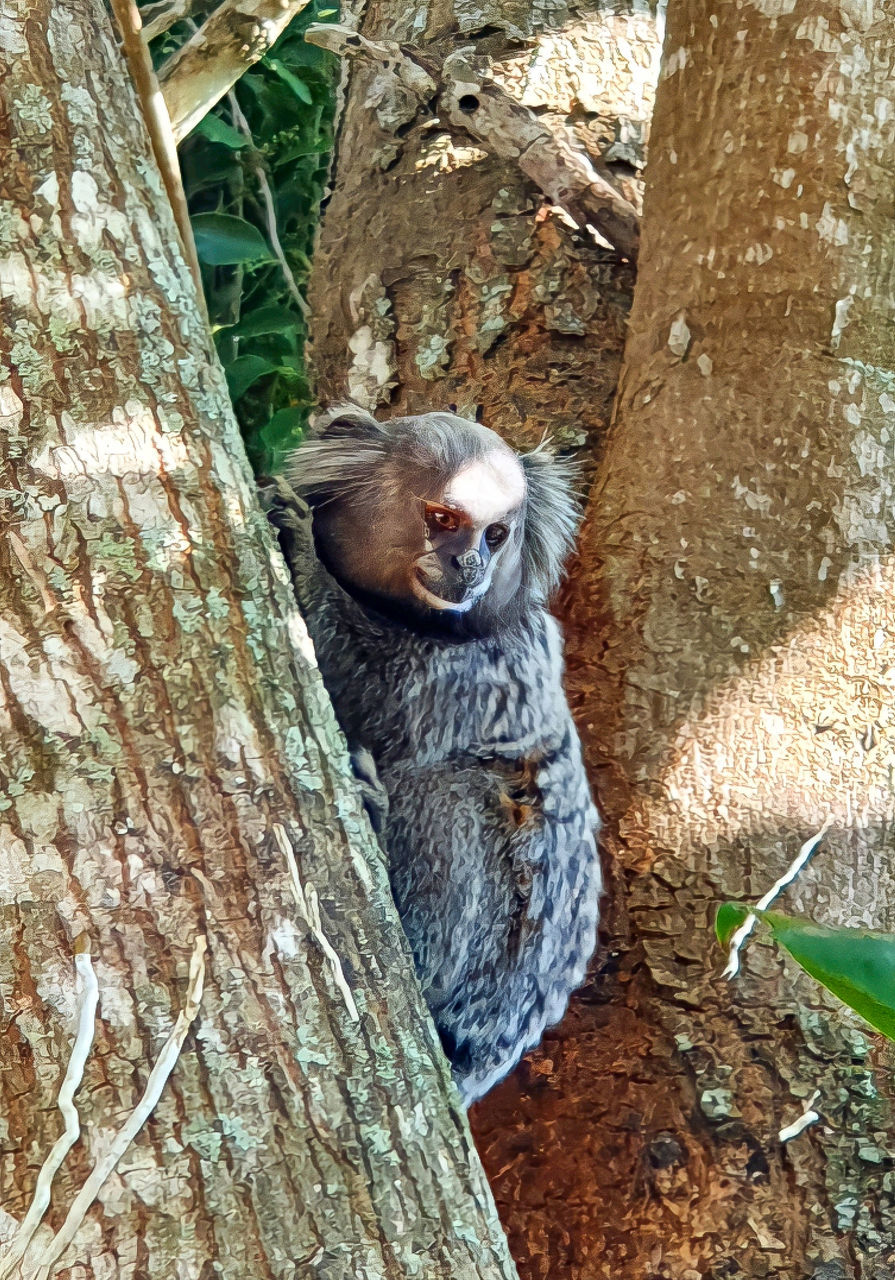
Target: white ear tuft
552	516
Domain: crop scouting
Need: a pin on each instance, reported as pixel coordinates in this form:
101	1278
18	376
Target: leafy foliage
857	965
254	172
222	240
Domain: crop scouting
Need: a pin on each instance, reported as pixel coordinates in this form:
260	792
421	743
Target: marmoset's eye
442	519
496	535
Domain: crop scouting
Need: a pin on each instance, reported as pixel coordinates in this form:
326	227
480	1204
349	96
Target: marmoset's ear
341	456
347	422
552	516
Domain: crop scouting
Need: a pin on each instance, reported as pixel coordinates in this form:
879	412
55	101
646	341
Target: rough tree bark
173	790
730	629
740	546
440	275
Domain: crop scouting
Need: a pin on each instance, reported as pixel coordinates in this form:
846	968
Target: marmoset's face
444	555
434	521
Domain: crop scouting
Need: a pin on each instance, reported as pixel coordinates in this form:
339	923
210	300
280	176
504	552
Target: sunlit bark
195	928
442	274
739	552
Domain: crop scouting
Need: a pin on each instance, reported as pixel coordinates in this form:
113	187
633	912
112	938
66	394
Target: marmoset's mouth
466	597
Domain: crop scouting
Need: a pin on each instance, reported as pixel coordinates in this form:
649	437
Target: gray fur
487	820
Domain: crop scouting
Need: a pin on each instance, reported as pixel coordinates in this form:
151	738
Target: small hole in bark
468	103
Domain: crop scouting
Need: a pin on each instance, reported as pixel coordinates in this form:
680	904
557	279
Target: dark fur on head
365	471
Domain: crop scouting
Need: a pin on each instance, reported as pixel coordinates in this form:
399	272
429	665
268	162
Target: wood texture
730	625
442	276
739	553
171	773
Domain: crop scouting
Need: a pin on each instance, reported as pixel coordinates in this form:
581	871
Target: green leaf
295	52
281	433
215	129
222	239
729	918
857	965
245	371
289	109
302	150
266	320
279	107
285	426
298	87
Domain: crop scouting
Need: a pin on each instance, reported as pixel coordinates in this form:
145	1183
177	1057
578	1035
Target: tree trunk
441	277
730	628
739	546
173	780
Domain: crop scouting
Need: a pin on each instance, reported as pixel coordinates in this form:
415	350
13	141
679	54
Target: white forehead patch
489	488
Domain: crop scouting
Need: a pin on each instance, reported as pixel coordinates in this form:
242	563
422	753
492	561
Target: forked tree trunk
441	276
731	628
172	779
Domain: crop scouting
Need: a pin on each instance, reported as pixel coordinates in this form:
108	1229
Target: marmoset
424	571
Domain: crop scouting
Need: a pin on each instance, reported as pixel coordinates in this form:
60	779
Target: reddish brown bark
731	634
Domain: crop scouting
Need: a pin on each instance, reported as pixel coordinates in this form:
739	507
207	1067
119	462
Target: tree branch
235	36
270	211
159	18
564	172
475	103
158	1077
158	124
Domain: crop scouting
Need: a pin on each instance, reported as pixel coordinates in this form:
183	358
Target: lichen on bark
729	631
170	769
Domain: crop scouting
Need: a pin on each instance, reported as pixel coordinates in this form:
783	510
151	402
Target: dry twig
309	909
158	1078
234	37
270	212
88	996
159	126
798	862
479	106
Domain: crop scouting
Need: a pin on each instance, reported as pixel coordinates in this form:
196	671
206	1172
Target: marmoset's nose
470	567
